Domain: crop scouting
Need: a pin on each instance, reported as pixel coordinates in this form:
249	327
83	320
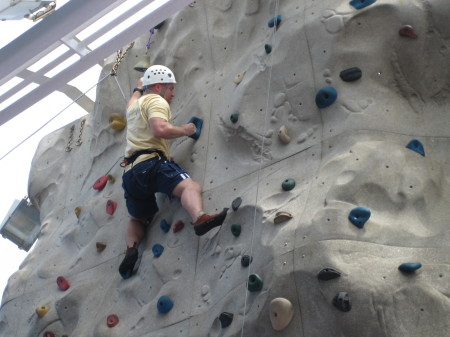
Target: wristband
138	89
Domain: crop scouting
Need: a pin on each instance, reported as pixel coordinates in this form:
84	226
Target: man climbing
148	168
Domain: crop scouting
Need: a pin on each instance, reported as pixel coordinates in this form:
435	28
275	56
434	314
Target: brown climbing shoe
127	265
207	222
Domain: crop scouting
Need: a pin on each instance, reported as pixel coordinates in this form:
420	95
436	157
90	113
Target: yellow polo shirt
139	133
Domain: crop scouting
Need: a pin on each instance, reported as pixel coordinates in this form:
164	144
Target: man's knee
187	184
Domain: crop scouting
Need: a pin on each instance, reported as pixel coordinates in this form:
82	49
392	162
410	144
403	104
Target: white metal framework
63	31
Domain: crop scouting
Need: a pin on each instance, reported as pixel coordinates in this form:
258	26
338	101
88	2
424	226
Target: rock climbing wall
328	119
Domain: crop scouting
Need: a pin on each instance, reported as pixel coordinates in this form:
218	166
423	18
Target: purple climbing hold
325	97
157	250
409	267
275	21
417	146
359	216
164	226
342	302
225	319
350	74
360	4
408	31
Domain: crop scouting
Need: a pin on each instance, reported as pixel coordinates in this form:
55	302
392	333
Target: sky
14	168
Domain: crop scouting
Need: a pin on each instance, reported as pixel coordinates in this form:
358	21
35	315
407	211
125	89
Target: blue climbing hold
359	216
157	250
325	97
416	146
275	21
359	4
198	124
164	226
164	304
268	48
409	267
350	74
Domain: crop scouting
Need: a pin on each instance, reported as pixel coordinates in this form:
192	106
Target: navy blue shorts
140	191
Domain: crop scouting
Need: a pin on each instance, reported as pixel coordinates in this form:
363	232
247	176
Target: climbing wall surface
329	119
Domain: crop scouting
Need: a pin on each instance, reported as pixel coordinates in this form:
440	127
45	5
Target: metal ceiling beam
63	24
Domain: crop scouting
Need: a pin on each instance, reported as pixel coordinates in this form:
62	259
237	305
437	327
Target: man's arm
136	95
163	129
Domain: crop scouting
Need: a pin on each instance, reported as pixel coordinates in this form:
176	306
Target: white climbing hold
238	78
283	135
281	313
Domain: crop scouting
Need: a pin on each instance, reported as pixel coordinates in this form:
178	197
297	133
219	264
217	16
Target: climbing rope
274	28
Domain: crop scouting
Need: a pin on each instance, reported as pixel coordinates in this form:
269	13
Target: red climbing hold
112	321
100	183
111	207
49	334
63	284
408	31
179	225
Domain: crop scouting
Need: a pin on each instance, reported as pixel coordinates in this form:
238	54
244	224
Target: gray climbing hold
236	203
165	226
234	118
281	313
417	146
410	267
225	319
325	97
236	229
246	260
164	304
350	74
342	301
282	217
288	184
360	4
275	21
328	273
359	216
255	283
268	48
157	250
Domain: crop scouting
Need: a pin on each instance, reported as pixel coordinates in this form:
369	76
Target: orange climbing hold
100	183
111	207
63	284
178	226
112	321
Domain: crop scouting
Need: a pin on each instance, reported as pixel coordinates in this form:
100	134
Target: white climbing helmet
158	74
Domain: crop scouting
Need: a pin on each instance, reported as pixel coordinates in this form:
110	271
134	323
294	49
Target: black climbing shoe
127	265
207	222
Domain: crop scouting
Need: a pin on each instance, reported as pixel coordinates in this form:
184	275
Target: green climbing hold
234	118
255	283
288	184
236	229
268	48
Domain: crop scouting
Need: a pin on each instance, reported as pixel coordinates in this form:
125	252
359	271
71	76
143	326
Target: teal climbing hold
234	118
198	124
246	260
225	319
164	226
409	267
417	146
164	304
360	4
325	97
275	21
342	301
236	229
268	48
328	273
157	250
359	216
255	283
350	74
288	184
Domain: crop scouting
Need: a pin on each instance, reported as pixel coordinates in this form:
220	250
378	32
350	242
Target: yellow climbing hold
111	179
282	217
78	211
100	246
239	77
283	135
42	310
117	122
281	313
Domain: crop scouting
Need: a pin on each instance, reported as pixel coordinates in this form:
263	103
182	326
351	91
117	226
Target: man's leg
135	231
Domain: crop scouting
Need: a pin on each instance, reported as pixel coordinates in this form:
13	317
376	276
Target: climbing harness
152	174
